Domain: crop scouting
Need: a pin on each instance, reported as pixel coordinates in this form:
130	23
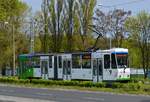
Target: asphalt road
18	94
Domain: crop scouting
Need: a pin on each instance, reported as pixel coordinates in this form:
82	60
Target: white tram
102	65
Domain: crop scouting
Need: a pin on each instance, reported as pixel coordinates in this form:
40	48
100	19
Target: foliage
84	19
13	12
139	28
56	23
110	25
136	87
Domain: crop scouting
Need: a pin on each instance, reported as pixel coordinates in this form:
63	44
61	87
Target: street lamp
13	47
110	44
101	5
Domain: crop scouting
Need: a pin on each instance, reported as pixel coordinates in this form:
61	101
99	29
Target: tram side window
36	62
94	67
107	61
86	61
60	61
76	61
23	66
113	61
50	62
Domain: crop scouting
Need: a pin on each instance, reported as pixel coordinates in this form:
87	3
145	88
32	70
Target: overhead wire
125	3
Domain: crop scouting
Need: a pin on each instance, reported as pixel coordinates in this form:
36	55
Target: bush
86	84
116	85
133	87
100	85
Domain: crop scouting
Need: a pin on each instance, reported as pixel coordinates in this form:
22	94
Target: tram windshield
122	60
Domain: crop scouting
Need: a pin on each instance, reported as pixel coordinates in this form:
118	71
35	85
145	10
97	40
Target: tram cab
115	64
110	65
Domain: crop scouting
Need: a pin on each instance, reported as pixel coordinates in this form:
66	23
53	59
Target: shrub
86	84
100	85
117	85
133	86
125	86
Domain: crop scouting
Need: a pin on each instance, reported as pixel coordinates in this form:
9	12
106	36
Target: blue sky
134	5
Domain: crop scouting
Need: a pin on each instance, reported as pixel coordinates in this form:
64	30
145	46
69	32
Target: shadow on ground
6	101
145	101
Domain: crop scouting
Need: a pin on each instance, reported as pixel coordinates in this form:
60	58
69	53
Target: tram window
86	61
23	66
100	67
46	68
36	63
107	61
28	64
50	62
69	68
113	61
76	61
94	67
60	61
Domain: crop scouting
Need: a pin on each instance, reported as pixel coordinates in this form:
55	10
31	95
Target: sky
134	5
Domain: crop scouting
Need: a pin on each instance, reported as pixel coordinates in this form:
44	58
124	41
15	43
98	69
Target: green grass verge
116	87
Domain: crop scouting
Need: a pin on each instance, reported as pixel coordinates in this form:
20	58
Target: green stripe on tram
123	79
27	74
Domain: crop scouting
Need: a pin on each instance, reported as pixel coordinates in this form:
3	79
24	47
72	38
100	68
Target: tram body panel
123	74
37	72
85	74
51	67
110	74
60	73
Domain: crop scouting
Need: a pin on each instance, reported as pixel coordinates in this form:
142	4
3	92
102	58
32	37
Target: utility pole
32	36
13	46
14	55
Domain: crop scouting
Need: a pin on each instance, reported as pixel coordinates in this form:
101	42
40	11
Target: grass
94	89
118	88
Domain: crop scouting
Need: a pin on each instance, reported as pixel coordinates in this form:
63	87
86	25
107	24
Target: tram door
97	70
44	65
66	69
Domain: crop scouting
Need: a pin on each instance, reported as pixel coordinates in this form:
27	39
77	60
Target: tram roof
51	54
113	50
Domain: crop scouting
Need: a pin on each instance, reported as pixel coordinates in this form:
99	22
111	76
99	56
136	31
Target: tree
69	13
45	24
110	25
100	27
117	19
139	28
56	23
85	13
12	11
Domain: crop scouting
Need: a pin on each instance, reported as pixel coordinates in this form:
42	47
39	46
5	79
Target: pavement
22	94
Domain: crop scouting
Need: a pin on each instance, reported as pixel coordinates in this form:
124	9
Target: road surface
18	94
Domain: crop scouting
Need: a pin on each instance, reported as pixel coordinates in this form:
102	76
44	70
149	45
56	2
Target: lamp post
13	47
110	40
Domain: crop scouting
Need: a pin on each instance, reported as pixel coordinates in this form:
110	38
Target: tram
102	65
